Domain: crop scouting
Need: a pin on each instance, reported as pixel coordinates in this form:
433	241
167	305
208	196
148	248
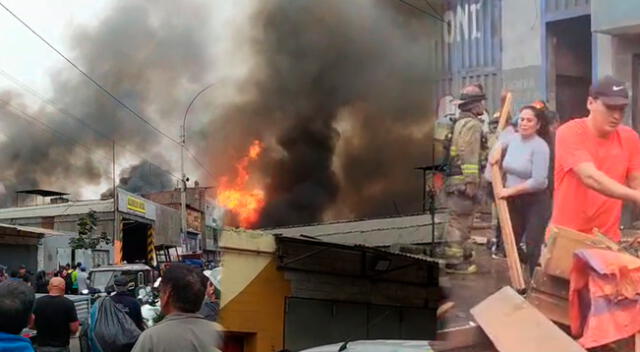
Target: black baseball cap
610	91
120	281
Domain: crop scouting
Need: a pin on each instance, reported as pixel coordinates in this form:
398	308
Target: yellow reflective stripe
458	177
470	169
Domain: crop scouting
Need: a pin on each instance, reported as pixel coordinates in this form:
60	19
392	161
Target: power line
198	161
25	116
433	8
98	84
89	77
421	10
65	112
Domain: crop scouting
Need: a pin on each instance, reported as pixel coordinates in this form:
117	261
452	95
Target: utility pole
116	240
115	197
183	183
183	189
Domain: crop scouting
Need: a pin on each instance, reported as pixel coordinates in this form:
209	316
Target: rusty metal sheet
550	284
553	307
514	325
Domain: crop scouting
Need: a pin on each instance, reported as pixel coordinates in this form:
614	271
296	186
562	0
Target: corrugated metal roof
78	207
36	230
375	232
356	247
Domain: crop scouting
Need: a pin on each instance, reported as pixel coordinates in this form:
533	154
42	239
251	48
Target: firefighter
463	181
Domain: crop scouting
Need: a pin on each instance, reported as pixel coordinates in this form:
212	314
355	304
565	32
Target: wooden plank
504	112
508	239
553	307
549	284
514	325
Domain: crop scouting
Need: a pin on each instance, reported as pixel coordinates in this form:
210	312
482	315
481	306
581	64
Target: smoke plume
143	53
339	92
142	178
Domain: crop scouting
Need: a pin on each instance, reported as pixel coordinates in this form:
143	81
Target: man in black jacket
126	302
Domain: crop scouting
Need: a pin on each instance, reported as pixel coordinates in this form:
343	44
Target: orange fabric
604	296
575	206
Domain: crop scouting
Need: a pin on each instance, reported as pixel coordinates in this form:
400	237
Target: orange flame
236	196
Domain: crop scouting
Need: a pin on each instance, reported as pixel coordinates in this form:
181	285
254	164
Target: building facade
204	221
137	227
277	290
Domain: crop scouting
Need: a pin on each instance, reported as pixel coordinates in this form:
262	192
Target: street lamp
183	140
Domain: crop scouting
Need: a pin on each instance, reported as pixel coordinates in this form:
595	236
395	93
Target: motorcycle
150	303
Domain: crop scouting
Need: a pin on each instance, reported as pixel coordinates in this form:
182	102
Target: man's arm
634	180
137	313
36	312
74	323
74	327
600	182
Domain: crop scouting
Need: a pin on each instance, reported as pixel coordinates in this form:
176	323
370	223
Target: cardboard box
557	257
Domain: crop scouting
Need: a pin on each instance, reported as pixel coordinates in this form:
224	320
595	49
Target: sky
28	58
31	61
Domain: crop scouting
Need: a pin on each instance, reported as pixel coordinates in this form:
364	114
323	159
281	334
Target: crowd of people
75	277
188	304
576	175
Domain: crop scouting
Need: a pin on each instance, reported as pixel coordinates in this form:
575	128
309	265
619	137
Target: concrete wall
195	197
253	290
522	51
52	246
615	16
624	47
67	223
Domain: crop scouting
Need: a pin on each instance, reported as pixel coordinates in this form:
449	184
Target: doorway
235	342
569	66
134	241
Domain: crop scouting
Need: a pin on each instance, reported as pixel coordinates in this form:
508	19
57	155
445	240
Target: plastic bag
111	329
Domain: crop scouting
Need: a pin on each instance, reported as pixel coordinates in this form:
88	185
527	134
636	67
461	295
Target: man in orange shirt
597	164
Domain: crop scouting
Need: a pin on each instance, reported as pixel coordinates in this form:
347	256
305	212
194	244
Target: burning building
337	93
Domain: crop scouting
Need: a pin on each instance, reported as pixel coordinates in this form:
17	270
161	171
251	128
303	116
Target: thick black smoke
142	178
340	95
149	54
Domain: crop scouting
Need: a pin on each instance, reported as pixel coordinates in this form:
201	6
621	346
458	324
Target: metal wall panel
167	226
14	255
554	6
470	48
342	321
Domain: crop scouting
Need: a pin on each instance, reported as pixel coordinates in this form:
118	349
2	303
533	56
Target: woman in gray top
526	167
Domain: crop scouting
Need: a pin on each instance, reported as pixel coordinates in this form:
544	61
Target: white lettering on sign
456	24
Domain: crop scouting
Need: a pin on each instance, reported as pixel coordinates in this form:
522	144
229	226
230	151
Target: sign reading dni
462	22
136	205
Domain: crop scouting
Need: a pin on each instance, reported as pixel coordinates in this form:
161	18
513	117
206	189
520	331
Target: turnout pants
461	212
530	214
